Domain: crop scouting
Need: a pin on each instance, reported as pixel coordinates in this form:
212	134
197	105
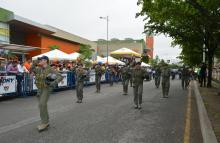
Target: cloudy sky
81	17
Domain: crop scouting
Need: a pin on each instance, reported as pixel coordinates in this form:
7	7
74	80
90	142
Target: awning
55	55
125	52
18	48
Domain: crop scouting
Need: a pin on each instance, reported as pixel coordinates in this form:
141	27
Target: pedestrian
98	75
165	80
80	78
203	75
138	75
46	79
157	76
185	77
125	73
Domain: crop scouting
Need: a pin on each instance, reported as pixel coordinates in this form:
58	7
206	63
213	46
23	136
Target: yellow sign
4	32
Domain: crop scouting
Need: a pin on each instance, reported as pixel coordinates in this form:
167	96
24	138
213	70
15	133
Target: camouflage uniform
80	77
98	76
165	81
44	88
125	73
138	75
185	78
111	74
157	77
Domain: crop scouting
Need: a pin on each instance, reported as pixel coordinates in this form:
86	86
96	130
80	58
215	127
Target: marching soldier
157	76
111	74
80	77
130	78
125	73
165	81
185	77
98	75
138	75
46	79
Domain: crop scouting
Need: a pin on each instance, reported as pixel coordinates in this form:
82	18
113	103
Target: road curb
208	134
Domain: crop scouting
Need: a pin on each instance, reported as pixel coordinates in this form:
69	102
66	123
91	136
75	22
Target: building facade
115	44
150	46
17	30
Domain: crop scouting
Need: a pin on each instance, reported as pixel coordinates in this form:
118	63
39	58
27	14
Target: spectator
12	68
22	68
27	64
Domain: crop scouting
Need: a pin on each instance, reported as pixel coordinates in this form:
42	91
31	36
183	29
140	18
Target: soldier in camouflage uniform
157	76
185	77
165	80
46	78
138	75
125	73
111	74
98	75
80	78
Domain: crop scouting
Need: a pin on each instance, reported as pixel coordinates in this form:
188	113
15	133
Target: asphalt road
108	117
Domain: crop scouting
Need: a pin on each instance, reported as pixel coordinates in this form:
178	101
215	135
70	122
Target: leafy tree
191	23
86	52
145	59
155	61
53	47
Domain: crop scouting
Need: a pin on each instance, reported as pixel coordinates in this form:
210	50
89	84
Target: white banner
64	81
103	77
92	78
7	84
34	85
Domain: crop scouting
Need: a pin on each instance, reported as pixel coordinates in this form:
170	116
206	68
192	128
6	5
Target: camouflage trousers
79	90
138	91
98	83
157	81
165	87
43	96
125	85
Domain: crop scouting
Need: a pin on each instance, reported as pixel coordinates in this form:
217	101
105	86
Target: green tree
86	52
53	47
191	23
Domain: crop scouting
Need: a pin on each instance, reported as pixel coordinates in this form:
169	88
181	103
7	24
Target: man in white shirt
22	68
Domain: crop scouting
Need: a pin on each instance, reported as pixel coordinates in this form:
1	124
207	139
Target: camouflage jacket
80	75
138	76
99	71
158	72
41	75
125	73
166	74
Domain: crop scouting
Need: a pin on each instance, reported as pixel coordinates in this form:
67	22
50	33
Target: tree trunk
210	65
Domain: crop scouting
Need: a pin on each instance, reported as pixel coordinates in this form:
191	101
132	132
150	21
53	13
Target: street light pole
107	19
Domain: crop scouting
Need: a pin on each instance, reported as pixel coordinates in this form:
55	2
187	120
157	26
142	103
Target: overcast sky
81	17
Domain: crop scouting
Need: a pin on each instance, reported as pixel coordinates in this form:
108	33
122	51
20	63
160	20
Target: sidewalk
211	100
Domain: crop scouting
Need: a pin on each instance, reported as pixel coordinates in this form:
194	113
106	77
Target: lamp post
107	19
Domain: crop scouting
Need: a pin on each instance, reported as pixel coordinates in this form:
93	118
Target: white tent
145	65
113	61
100	59
55	55
74	56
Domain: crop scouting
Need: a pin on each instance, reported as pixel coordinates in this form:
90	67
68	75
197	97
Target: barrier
24	85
